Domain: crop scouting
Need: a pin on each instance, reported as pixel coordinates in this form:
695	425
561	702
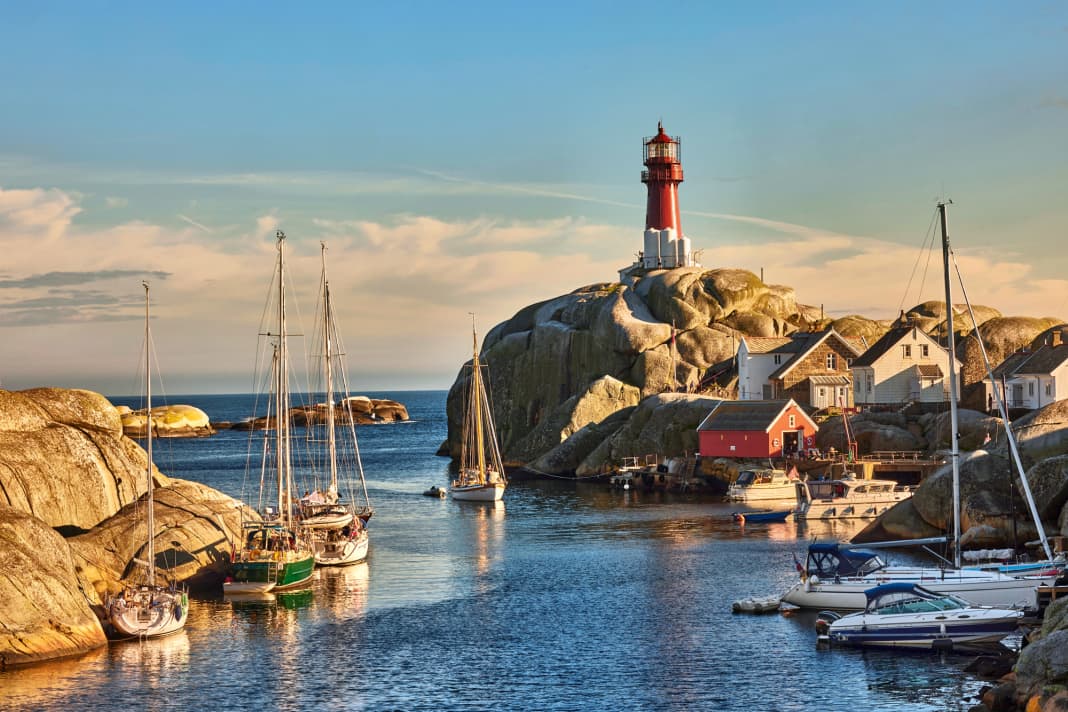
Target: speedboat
836	576
910	615
761	485
848	498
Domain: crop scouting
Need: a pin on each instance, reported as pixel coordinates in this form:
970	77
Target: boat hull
848	593
342	551
478	493
149	612
328	521
769	493
970	627
263	573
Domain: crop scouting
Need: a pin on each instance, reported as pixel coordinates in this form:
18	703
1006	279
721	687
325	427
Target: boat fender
276	556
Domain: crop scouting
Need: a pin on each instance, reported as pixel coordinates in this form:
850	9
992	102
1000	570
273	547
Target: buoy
739	517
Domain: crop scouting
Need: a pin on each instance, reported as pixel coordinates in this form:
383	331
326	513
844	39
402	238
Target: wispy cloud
1054	102
113	201
67	279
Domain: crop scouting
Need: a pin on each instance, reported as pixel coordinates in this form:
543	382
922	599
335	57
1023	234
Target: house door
791	443
820	398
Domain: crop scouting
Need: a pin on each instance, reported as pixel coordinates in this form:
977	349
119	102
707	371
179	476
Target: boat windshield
895	603
745	477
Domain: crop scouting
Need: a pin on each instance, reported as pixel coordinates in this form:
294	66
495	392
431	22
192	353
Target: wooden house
905	365
811	368
756	429
1035	378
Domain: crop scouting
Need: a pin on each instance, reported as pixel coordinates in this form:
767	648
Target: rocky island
70	482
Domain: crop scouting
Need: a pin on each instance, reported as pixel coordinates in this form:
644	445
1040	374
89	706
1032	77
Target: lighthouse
665	245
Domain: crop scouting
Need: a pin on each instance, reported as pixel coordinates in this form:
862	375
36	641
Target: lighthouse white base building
666	250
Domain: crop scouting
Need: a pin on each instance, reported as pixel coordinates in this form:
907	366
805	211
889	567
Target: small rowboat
780	516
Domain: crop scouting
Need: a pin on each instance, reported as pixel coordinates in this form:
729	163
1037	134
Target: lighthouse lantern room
665	245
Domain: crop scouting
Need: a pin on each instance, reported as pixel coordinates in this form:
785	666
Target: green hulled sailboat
275	553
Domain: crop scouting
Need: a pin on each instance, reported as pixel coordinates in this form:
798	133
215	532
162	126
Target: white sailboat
481	477
275	554
338	527
837	576
148	609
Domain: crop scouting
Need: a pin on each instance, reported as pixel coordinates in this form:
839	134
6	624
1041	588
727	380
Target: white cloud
112	201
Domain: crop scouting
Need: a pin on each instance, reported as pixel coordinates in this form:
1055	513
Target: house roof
1013	363
888	341
804	344
756	416
765	344
928	370
1044	360
839	379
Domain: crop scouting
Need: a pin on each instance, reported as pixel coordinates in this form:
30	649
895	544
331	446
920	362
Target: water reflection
48	685
344	589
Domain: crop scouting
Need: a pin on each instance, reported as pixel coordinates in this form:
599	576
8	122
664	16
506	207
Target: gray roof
838	379
928	370
1044	360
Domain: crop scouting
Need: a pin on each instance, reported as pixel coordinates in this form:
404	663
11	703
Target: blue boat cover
898	587
833	559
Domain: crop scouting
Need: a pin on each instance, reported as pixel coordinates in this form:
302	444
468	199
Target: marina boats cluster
915	606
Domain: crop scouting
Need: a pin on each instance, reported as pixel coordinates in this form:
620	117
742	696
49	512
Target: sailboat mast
282	405
328	329
951	344
151	519
476	394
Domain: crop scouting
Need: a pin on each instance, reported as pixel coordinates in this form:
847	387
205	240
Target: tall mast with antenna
150	493
951	345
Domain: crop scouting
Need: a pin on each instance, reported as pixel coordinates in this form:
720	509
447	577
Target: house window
870	385
821	393
778	359
1031	388
925	350
849	363
793	418
832	361
1049	389
906	350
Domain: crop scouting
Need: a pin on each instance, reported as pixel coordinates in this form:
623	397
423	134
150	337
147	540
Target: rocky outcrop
553	351
872	432
63	458
1043	433
44	612
195	527
358	409
168	421
1002	336
974	429
664	424
66	468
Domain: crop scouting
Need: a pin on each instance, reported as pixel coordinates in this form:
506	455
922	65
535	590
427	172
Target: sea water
566	596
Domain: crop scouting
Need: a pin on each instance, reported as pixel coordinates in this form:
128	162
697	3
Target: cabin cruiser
847	497
761	485
910	615
836	576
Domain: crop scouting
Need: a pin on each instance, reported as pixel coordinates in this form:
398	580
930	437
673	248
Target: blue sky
481	156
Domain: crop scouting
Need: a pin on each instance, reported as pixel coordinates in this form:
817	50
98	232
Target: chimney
1056	338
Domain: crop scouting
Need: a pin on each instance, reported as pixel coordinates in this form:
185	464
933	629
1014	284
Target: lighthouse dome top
661	137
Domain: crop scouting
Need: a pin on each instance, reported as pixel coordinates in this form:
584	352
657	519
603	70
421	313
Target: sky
479	157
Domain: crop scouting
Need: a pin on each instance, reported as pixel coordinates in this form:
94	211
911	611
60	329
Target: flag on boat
986	439
797	564
793	474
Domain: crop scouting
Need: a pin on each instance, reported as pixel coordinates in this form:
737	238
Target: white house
758	358
905	365
1033	379
811	368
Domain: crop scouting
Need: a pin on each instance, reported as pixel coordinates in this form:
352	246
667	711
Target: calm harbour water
567	596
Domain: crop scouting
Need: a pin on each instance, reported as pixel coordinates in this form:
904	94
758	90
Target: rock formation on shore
359	409
168	421
561	370
66	469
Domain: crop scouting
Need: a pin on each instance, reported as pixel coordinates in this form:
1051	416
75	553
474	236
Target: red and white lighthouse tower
665	245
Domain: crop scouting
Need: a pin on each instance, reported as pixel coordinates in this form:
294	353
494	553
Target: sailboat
149	610
837	575
338	528
481	477
275	553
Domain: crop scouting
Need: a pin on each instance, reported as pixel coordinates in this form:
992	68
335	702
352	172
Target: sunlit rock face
168	421
63	457
44	612
555	350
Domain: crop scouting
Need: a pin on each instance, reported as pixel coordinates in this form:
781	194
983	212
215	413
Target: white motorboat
847	498
481	477
910	615
148	609
762	485
836	576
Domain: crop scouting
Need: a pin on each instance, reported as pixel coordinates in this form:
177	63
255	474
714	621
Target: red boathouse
756	429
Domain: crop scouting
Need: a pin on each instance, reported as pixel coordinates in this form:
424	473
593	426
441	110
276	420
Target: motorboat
910	615
847	497
762	485
756	517
837	575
